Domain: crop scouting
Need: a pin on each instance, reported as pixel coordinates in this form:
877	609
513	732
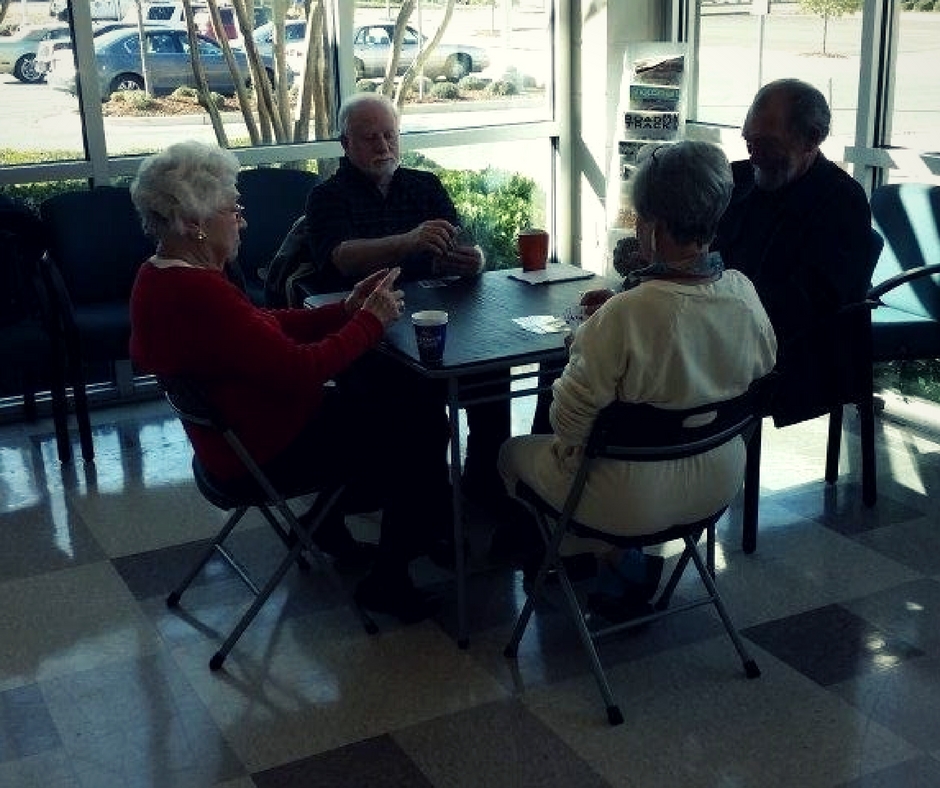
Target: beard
774	177
384	170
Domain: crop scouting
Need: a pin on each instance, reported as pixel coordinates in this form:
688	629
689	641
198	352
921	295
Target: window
738	52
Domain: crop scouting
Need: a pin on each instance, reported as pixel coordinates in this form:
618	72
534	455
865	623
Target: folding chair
192	408
642	433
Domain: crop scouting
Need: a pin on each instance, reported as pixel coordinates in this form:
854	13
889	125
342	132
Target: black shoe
334	539
395	597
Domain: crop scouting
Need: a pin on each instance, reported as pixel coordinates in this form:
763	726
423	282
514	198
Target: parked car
371	46
18	52
49	46
295	31
119	63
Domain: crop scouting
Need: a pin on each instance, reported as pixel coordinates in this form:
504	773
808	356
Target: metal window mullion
876	85
89	92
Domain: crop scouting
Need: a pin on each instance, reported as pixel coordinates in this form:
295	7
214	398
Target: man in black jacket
800	228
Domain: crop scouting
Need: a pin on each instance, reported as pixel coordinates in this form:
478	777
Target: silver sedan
371	46
119	63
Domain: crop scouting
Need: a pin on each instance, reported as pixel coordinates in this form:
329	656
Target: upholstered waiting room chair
32	352
192	409
642	433
907	278
96	244
273	198
839	353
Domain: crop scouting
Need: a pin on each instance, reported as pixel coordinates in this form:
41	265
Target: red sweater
263	369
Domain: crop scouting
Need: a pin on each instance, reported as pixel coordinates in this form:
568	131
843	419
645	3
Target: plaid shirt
348	206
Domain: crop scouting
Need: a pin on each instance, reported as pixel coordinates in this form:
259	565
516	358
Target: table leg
453	408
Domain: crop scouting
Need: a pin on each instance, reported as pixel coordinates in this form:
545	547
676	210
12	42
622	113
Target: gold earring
201	235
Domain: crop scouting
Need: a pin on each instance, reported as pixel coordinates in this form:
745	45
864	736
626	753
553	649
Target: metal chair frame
297	537
642	433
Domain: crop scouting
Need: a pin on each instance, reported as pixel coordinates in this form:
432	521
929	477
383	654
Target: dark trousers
382	437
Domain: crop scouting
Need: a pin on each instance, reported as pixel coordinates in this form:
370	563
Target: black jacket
806	248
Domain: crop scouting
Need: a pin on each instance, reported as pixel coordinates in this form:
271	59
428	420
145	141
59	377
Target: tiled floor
101	685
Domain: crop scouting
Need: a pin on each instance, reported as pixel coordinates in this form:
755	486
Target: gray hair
350	105
187	182
809	118
686	186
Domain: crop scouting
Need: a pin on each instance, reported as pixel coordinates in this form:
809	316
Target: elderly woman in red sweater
266	370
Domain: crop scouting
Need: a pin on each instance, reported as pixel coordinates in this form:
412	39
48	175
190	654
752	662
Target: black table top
481	333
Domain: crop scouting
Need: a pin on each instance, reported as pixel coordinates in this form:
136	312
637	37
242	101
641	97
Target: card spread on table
442	282
542	324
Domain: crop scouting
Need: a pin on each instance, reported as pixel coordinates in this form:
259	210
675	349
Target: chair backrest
21	246
908	216
273	199
640	432
96	240
831	363
190	405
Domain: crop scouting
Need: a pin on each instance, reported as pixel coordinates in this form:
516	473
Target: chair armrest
897	280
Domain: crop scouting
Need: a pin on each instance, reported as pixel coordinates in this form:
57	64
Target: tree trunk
200	75
414	69
241	92
825	31
391	68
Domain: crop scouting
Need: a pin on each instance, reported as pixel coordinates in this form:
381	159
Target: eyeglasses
236	209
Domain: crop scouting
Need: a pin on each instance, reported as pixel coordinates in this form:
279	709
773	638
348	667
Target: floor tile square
916	773
26	728
830	644
377	763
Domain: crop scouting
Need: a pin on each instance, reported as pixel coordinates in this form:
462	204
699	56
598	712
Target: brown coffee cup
533	249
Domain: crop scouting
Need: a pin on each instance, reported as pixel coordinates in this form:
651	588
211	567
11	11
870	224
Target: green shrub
447	91
916	378
366	86
494	206
924	5
471	82
421	86
502	87
217	99
184	92
139	99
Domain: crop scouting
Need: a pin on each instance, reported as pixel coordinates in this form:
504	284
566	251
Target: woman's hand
361	291
384	302
592	300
